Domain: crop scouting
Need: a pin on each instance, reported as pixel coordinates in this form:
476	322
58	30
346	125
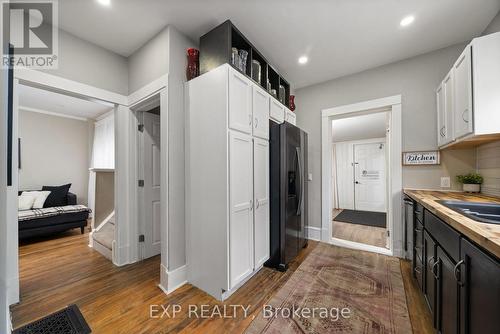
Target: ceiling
39	100
340	37
359	127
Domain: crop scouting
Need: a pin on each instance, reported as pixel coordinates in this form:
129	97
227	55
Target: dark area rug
368	218
66	321
369	285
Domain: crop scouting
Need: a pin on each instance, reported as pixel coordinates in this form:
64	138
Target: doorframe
391	105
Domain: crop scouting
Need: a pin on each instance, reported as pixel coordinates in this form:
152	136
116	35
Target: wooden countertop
485	235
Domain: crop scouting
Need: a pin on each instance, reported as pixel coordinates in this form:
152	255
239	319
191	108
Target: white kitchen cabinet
261	200
240	102
227	180
277	111
260	107
462	94
468	99
241	207
290	117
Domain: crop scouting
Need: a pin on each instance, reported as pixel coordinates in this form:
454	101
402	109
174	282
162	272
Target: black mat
66	321
368	218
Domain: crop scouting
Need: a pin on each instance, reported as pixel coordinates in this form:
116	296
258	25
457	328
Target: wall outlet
309	177
445	182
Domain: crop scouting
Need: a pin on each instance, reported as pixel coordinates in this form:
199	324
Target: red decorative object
193	67
292	102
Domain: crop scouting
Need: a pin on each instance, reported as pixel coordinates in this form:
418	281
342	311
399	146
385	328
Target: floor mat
368	218
369	285
66	321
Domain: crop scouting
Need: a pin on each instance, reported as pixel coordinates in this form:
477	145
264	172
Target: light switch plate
445	182
309	177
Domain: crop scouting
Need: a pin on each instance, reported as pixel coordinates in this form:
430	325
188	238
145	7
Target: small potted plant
471	182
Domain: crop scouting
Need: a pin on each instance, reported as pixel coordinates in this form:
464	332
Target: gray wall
149	62
55	151
416	80
494	25
90	64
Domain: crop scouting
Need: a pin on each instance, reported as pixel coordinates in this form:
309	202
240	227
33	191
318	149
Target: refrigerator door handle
299	161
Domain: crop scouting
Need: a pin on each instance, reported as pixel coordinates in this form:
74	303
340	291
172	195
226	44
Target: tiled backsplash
488	165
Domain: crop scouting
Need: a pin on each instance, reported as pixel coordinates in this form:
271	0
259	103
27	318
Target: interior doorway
149	169
361	176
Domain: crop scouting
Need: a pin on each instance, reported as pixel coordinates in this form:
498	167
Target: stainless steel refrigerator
288	193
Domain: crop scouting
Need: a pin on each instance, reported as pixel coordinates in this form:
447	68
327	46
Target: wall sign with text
421	158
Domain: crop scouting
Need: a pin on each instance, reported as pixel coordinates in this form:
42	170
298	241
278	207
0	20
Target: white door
462	96
260	108
440	115
290	117
241	206
240	102
261	200
448	108
151	174
276	111
369	177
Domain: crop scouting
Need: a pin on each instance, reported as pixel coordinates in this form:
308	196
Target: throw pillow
58	195
25	201
40	197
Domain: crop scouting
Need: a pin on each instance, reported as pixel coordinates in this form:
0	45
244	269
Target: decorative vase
193	67
472	188
292	102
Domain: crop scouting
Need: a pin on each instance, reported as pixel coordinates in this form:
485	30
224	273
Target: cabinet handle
430	261
417	270
251	205
436	275
463	114
456	272
441	132
257	204
418	211
256	122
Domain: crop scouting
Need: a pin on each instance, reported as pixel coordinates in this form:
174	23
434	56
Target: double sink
481	212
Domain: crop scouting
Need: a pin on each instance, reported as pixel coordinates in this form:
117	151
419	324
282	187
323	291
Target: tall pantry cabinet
227	180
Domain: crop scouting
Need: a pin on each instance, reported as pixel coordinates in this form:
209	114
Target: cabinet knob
256	122
250	120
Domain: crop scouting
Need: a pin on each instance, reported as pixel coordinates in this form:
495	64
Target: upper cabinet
240	103
468	98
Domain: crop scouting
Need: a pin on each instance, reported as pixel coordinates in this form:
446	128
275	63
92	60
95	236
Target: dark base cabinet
459	280
447	294
480	291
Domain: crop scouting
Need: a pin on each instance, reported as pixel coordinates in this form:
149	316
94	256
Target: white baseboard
313	233
172	280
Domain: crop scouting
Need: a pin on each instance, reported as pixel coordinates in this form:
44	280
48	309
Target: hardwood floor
62	271
369	235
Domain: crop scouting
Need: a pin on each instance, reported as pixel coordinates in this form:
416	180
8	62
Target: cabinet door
260	108
440	115
240	102
277	111
261	200
447	294
241	206
290	117
462	94
480	292
430	273
448	109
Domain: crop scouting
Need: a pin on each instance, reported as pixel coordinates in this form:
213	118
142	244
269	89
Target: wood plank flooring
369	235
58	272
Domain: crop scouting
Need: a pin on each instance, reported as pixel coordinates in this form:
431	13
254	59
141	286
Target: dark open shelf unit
215	50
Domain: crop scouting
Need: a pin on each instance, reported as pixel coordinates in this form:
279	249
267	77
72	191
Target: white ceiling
39	100
340	37
359	127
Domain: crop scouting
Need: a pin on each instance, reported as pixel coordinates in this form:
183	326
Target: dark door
430	273
302	191
408	224
480	291
293	189
447	294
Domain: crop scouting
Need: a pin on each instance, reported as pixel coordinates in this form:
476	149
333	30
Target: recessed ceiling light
406	21
104	2
303	60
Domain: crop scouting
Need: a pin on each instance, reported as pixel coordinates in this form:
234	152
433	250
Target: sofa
46	221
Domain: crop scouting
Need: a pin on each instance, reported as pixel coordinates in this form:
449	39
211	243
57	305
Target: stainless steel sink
481	212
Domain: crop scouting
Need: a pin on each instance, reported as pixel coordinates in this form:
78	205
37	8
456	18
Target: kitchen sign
421	158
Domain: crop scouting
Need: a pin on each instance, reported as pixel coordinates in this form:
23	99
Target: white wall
149	62
55	151
416	80
494	25
488	165
90	64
